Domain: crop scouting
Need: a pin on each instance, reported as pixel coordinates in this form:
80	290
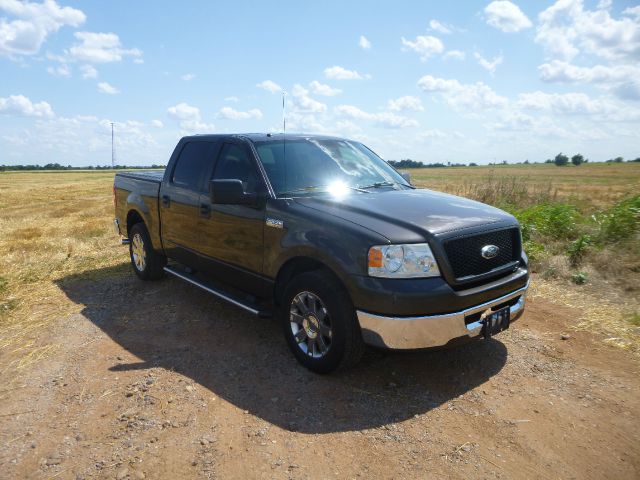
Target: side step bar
216	291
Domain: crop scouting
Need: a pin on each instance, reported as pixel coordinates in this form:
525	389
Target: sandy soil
160	380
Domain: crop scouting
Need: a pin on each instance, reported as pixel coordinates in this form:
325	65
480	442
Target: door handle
165	200
205	210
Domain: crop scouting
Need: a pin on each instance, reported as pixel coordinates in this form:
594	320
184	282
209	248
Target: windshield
306	166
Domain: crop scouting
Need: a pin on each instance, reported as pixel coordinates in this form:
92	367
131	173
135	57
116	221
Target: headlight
402	261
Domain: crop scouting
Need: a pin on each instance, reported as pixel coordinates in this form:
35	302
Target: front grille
465	257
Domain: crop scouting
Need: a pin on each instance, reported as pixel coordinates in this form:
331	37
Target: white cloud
323	89
339	73
88	71
269	86
439	27
100	48
603	109
32	25
435	135
364	43
383	119
462	96
184	111
60	71
406	103
189	118
489	65
623	80
188	77
566	28
303	103
104	87
632	11
566	103
232	114
157	123
86	140
231	99
21	106
455	54
426	46
506	16
138	61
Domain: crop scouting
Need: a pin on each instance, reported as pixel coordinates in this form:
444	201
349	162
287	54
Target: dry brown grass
56	224
591	185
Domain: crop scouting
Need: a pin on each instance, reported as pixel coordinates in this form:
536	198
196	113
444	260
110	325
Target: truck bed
139	191
150	176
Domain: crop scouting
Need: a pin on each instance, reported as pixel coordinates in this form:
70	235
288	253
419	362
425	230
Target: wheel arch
296	266
133	217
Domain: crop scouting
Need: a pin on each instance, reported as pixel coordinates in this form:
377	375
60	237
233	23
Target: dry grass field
105	376
56	224
589	185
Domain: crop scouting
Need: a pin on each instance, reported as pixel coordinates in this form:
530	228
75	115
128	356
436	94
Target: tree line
408	163
57	166
561	160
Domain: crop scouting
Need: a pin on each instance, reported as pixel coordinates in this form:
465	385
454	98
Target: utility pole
113	150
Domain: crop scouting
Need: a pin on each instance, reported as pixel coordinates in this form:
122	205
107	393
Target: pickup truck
323	234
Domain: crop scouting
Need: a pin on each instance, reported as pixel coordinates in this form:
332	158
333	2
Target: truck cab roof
261	137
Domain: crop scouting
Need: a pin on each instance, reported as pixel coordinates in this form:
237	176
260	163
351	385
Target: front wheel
146	262
320	323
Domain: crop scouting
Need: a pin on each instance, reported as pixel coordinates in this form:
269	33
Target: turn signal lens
375	257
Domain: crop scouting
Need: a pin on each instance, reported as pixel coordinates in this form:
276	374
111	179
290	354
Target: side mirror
406	176
230	192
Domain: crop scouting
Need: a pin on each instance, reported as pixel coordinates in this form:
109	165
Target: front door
232	235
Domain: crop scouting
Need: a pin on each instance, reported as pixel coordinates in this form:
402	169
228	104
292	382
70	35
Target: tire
145	261
319	322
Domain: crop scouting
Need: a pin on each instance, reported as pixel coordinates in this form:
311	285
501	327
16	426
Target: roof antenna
284	135
284	114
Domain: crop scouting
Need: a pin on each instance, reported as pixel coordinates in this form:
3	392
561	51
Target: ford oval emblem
489	251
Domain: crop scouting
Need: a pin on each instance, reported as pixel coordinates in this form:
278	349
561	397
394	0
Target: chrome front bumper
434	330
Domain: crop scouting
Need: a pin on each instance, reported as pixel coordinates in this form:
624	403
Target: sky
459	82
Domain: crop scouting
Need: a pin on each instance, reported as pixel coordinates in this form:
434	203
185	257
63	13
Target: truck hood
409	215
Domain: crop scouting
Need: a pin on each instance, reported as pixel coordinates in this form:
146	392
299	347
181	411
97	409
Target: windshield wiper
315	188
310	188
377	185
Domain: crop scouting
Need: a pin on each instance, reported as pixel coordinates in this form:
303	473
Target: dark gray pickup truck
324	234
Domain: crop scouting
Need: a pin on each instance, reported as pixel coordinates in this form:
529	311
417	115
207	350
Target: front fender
337	243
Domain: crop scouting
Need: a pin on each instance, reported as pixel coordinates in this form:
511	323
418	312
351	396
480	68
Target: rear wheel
146	262
320	323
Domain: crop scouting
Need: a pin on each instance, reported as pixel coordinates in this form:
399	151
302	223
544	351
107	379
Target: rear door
180	199
232	235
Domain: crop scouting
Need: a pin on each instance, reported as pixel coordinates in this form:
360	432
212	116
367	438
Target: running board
187	277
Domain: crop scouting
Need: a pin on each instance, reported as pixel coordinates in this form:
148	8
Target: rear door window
195	160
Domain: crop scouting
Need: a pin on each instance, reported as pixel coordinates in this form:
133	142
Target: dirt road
160	380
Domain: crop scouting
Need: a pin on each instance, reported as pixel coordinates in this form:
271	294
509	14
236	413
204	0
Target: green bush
577	249
579	278
621	221
534	250
557	220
